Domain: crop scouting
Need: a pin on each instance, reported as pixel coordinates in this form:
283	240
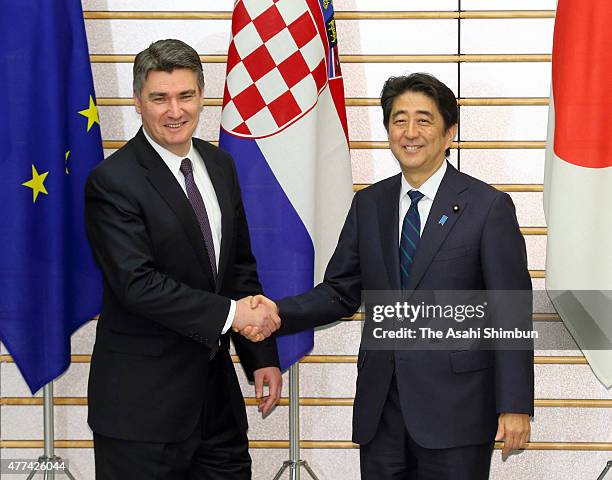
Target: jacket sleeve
338	295
504	266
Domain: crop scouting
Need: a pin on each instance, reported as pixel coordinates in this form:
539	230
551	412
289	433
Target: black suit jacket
448	398
162	309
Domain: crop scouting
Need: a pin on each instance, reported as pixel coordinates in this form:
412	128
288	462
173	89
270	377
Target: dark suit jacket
448	398
162	309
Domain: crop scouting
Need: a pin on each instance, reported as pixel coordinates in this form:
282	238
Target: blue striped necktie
411	234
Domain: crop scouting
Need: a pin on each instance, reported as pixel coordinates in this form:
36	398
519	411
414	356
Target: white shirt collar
429	187
173	161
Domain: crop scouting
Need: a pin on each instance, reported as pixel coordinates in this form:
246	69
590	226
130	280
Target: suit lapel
436	231
166	185
388	222
219	181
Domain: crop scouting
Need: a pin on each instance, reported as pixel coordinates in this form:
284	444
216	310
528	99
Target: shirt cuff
230	317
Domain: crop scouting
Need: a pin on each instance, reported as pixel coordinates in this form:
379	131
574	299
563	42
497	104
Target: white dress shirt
428	189
205	186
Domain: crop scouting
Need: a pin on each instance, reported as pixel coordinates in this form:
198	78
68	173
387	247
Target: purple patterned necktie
193	194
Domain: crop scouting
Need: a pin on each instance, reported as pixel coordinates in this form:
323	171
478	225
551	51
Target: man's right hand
257	323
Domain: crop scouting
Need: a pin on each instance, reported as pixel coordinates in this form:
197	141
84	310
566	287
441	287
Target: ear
138	103
201	94
450	134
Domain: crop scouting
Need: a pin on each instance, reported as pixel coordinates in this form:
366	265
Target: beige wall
498	64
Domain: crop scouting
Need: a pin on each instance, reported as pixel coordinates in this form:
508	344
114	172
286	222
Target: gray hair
166	56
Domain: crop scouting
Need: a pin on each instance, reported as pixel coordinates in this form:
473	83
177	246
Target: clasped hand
256	318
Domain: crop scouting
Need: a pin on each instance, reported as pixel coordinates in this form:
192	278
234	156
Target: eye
187	97
158	100
424	121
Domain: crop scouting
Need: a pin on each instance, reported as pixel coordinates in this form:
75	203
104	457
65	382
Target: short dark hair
443	97
166	56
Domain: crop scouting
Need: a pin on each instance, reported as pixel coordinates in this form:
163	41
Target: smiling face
170	106
417	136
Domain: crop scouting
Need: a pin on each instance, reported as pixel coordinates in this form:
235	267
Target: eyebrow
164	94
427	113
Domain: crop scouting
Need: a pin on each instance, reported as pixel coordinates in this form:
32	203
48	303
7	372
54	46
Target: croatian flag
578	179
284	123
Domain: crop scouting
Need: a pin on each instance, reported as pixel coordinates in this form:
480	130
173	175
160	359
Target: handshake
256	318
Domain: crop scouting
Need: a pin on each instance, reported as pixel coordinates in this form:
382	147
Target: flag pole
605	470
48	459
294	463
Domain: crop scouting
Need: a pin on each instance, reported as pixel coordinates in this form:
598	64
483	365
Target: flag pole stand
605	470
294	463
49	458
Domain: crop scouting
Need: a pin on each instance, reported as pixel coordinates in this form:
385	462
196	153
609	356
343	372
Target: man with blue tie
427	414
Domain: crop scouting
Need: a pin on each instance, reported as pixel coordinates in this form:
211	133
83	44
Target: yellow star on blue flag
91	113
37	183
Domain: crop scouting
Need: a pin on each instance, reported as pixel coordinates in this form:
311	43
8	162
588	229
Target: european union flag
49	141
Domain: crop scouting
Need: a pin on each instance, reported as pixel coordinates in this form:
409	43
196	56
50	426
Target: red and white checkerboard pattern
276	66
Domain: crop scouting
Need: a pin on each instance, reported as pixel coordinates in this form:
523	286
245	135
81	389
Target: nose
174	109
411	130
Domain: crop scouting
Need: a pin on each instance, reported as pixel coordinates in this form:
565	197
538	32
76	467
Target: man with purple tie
166	224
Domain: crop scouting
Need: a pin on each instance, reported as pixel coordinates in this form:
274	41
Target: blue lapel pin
443	220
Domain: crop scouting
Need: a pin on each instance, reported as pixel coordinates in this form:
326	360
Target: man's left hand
514	429
270	376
